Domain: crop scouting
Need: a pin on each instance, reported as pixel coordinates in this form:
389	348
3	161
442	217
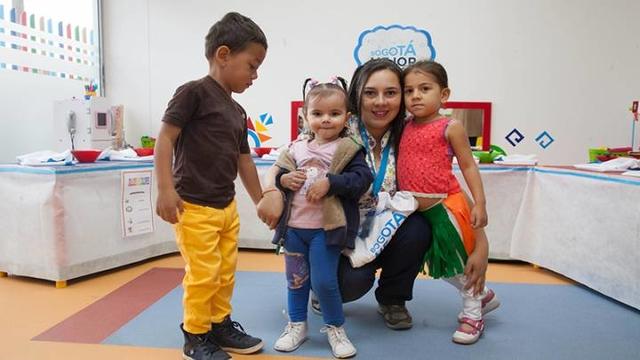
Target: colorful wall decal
514	137
38	36
544	140
257	130
63	75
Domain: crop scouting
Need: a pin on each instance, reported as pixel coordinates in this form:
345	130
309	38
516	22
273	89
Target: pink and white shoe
490	302
467	337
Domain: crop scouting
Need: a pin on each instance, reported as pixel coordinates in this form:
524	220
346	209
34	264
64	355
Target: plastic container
603	158
143	151
260	151
148	142
620	151
86	156
595	152
483	156
487	157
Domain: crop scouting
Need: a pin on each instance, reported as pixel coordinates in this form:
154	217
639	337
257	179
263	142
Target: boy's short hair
234	30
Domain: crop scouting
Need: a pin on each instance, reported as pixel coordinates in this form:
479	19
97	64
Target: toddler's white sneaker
295	333
341	346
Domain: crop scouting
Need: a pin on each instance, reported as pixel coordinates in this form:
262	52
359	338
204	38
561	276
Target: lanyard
378	175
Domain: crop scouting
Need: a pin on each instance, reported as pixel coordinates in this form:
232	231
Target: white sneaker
340	344
295	333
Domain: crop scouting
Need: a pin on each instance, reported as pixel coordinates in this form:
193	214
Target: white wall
570	67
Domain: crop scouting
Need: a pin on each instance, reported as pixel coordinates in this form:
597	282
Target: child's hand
475	271
293	180
270	208
478	216
168	205
318	190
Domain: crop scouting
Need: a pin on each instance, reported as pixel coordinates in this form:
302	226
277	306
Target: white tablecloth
504	187
580	224
585	226
64	222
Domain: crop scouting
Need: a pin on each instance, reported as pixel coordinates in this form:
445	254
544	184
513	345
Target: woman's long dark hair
359	79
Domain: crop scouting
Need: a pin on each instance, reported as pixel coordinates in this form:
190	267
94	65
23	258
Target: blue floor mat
533	322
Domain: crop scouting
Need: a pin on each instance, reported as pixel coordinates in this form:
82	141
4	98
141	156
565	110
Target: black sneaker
199	347
230	336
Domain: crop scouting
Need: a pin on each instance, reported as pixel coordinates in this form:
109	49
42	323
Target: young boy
206	130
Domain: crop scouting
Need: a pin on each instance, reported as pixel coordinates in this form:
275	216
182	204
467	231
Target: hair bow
310	83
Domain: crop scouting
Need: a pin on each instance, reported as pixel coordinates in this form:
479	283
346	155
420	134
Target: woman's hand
318	190
478	216
293	180
270	208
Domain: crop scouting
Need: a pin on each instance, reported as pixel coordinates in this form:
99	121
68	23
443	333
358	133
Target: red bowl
262	150
144	151
604	158
86	156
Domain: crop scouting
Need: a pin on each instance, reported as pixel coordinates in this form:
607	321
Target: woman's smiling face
381	98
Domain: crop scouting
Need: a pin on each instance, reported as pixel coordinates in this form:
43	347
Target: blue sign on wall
402	44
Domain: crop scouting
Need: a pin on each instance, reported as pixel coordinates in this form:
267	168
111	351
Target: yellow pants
208	241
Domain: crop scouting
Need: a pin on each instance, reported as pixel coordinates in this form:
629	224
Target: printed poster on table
137	211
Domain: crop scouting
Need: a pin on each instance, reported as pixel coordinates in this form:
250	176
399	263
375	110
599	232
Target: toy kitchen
88	124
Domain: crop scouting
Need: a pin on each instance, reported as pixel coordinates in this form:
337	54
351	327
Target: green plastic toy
487	157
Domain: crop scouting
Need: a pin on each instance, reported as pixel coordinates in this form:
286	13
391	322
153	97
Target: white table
64	222
580	224
583	225
504	187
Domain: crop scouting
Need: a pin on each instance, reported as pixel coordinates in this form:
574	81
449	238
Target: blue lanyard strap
379	175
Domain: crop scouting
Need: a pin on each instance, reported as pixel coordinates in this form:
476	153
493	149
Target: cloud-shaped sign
402	44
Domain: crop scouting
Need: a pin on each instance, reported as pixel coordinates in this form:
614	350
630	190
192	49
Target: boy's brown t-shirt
214	134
